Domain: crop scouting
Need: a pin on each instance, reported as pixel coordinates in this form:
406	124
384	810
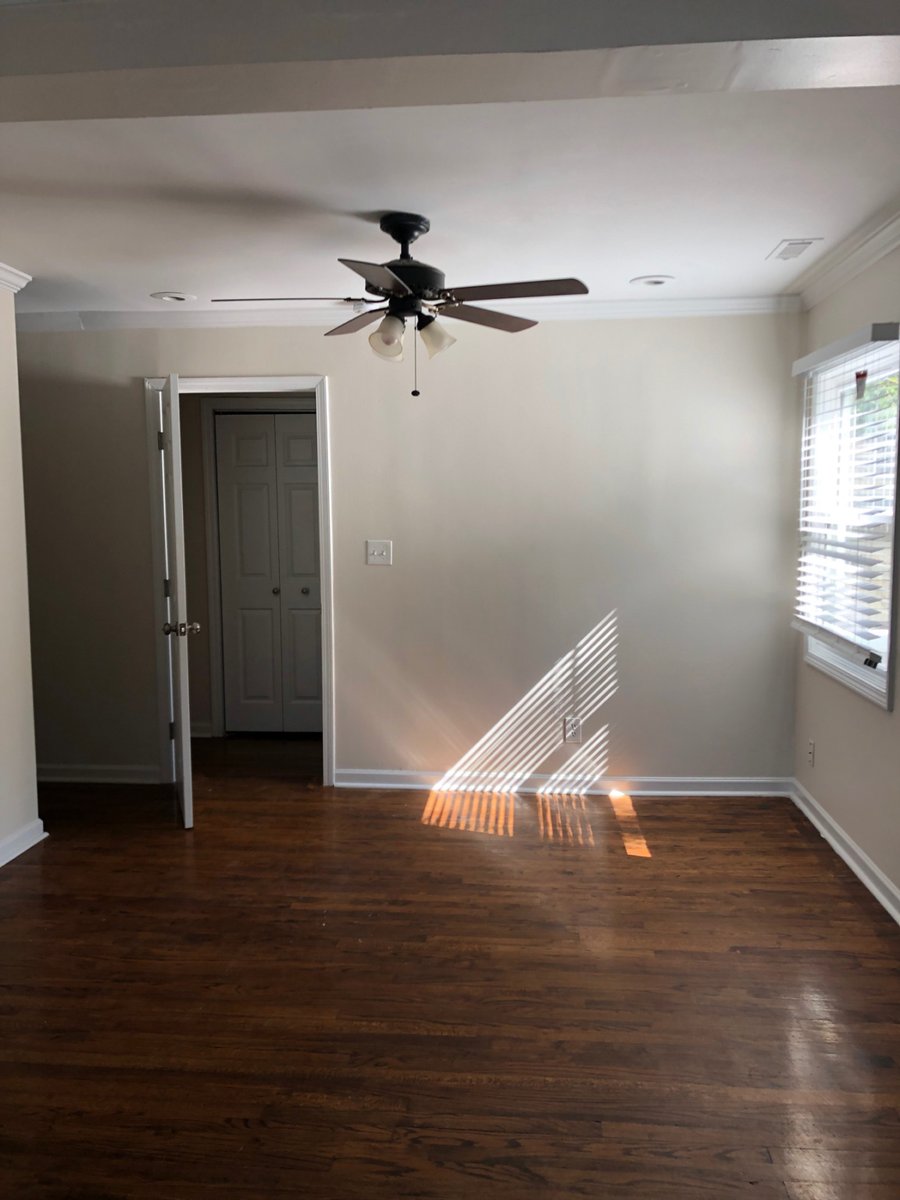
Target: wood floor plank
333	994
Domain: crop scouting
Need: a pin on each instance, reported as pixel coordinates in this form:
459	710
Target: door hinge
160	439
172	730
167	587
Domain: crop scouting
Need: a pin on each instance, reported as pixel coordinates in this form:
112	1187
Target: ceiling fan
417	292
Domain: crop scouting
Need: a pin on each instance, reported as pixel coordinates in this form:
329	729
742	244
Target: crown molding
856	254
12	280
616	310
571	310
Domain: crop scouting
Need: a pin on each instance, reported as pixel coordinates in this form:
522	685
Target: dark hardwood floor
380	995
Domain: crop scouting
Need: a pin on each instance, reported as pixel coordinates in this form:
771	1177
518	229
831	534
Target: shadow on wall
89	570
512	750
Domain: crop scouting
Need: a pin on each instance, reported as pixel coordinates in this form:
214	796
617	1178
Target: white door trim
228	394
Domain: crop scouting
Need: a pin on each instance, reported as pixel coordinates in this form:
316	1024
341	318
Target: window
848	489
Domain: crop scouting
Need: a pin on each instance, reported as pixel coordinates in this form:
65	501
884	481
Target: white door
301	600
267	488
177	626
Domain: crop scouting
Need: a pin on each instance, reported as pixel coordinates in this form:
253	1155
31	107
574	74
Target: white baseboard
202	729
662	785
98	773
352	777
23	839
885	891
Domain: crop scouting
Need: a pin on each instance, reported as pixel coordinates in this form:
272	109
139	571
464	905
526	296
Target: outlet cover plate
572	729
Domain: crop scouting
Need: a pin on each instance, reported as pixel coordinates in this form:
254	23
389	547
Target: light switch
379	552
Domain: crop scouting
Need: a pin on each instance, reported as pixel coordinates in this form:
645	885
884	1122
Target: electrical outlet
811	752
572	729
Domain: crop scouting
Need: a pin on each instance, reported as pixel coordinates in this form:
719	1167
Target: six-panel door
267	481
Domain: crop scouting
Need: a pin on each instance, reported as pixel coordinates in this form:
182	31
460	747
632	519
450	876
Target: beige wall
856	777
18	793
538	483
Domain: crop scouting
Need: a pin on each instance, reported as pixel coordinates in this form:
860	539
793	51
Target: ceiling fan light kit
415	290
387	340
435	337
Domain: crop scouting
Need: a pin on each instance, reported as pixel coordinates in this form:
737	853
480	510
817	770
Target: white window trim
873	685
831	655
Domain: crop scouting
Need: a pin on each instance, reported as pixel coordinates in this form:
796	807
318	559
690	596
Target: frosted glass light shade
387	340
436	338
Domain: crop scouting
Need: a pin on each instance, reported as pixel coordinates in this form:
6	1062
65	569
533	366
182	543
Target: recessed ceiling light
172	297
652	280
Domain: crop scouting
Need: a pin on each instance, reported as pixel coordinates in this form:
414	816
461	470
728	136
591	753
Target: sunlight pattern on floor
562	819
477	812
630	826
565	819
511	751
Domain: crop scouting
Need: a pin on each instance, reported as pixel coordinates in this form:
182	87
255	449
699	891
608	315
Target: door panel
298	536
302	505
303	664
250	450
258	636
299	449
249	554
253	502
173	519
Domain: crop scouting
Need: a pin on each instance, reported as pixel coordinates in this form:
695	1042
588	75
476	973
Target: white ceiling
701	187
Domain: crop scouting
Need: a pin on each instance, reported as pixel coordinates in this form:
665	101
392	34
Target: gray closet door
267	479
248	547
301	603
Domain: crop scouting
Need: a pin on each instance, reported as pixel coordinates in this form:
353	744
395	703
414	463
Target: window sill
866	682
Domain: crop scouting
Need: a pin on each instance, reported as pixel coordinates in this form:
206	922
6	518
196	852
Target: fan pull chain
415	391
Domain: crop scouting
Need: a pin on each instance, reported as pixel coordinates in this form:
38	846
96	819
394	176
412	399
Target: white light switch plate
379	552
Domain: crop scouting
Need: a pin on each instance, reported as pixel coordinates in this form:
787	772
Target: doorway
255	507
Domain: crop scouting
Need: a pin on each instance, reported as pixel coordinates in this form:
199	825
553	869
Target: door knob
193	627
275	591
305	591
182	628
169	628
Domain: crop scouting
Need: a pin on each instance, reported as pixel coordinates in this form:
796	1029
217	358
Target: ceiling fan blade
378	276
534	287
284	299
358	322
486	316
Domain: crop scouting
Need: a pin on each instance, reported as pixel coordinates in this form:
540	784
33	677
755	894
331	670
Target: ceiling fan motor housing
404	227
425	282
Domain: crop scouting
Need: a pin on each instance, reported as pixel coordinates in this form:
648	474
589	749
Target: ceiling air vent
792	247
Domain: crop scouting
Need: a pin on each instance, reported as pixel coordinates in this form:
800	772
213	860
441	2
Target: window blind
848	499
